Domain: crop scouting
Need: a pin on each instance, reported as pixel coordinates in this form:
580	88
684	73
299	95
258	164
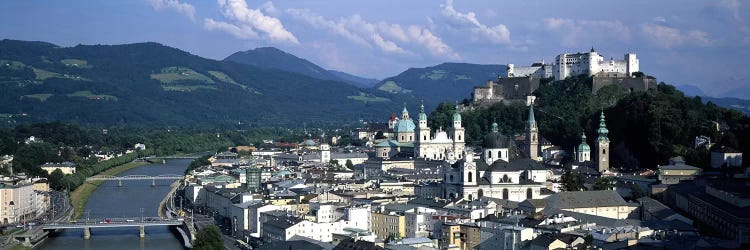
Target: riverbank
80	196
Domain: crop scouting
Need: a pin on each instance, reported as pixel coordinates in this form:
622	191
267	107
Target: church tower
603	145
583	153
532	135
423	133
458	133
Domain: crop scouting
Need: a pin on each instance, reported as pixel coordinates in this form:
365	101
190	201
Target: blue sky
682	42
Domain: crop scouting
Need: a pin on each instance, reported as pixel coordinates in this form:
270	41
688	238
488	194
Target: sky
681	42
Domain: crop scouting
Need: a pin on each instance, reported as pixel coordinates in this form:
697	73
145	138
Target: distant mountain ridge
440	83
273	58
149	83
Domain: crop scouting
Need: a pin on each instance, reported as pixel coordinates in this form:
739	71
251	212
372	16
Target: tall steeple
423	135
603	131
532	135
458	132
422	114
602	144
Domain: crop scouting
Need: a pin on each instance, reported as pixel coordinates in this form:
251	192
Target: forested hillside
646	128
148	83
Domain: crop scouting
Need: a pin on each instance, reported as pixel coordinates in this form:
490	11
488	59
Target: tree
637	192
604	183
55	179
209	238
349	164
588	242
334	162
572	181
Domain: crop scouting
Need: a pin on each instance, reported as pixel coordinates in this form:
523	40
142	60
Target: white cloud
320	22
574	32
182	8
497	34
387	37
660	19
669	37
384	45
269	8
243	21
236	31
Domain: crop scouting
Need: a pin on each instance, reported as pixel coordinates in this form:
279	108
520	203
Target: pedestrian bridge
119	179
112	223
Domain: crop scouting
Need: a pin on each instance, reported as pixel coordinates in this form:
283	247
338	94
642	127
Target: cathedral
499	173
419	142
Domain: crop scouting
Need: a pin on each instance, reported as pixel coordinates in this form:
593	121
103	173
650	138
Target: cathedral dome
494	139
583	147
404	126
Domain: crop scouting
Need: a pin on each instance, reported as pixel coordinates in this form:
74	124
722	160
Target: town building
66	167
726	156
677	171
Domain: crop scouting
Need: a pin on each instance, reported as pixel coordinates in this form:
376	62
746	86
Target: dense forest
646	128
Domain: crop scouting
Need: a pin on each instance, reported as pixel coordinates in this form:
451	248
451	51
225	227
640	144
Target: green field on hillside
76	63
186	88
89	95
362	97
40	97
392	87
175	74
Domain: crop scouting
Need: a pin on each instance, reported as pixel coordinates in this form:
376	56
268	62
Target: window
505	193
459	137
604	151
529	193
470	177
425	138
451	178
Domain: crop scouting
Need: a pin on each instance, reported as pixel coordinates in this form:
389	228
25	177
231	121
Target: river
109	200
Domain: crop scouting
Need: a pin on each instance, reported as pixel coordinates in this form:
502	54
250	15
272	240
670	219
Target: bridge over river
119	179
86	225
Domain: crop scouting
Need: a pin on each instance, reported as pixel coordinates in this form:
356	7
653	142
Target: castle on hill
522	81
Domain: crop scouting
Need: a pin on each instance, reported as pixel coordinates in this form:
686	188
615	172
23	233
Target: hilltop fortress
519	82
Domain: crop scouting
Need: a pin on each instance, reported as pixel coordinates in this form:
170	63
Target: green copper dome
583	147
456	116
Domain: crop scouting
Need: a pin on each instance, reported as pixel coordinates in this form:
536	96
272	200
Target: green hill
273	58
440	83
149	83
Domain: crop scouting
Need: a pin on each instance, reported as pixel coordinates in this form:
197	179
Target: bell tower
602	144
532	135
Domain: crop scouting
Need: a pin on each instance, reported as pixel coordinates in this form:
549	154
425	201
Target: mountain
149	83
446	82
355	80
741	105
738	104
273	58
690	90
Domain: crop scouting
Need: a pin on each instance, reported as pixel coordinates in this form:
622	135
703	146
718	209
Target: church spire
532	120
422	114
404	113
603	131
